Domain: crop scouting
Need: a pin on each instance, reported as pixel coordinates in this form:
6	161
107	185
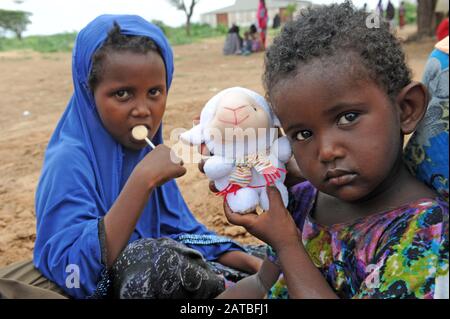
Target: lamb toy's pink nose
233	115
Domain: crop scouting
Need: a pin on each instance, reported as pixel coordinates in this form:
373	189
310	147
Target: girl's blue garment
426	153
84	171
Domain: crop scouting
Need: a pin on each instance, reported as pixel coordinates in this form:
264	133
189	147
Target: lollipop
140	133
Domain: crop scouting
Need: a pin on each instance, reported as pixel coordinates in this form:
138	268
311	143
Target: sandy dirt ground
35	88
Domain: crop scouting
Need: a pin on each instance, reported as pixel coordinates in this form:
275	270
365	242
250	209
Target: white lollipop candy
140	133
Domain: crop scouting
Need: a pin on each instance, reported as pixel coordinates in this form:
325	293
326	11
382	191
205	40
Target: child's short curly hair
326	31
118	42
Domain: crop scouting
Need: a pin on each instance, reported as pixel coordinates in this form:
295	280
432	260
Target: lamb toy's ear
194	136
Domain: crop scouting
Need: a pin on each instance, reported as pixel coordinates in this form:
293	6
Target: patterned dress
401	253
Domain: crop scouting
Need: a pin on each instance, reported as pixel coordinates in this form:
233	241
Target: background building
243	12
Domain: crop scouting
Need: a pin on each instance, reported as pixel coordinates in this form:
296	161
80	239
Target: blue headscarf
85	169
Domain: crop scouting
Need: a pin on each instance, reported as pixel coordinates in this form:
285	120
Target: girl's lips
147	126
339	176
341	180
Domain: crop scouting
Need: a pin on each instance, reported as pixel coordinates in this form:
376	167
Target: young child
361	226
102	190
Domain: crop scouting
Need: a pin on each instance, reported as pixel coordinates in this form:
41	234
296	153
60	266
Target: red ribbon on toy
270	176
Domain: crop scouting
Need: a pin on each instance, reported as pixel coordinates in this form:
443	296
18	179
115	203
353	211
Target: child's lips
138	124
339	177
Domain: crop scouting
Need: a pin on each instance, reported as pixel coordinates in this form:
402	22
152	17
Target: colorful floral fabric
401	253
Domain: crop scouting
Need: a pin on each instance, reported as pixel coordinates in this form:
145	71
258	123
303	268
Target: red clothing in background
442	29
262	16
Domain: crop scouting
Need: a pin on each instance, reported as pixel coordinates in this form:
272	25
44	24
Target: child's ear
412	101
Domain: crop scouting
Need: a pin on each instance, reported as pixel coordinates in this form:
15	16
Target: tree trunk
189	15
426	17
188	26
18	34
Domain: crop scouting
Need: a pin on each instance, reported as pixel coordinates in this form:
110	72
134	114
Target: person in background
379	8
256	40
233	42
263	17
426	153
276	21
390	15
442	29
402	15
247	44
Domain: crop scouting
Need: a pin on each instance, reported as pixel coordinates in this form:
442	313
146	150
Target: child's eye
347	118
303	135
122	94
154	92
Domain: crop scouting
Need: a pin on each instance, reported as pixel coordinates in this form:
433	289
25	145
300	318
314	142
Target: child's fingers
196	119
175	159
212	187
181	172
204	150
275	200
245	220
201	166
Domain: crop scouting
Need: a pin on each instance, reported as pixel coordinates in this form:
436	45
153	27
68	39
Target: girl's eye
154	92
122	94
347	118
303	135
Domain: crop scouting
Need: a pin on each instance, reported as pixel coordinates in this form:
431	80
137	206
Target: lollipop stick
150	143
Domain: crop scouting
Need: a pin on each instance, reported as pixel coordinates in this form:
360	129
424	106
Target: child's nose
329	151
141	110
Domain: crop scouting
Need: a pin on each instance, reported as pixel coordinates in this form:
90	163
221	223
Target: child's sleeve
67	248
412	259
184	227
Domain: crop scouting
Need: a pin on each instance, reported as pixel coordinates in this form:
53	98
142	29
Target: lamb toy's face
238	115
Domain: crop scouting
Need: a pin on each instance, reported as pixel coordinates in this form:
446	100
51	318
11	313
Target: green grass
64	42
51	43
178	35
411	13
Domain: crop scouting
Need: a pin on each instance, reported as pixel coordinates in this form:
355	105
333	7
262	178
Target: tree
188	10
411	12
425	17
15	21
290	10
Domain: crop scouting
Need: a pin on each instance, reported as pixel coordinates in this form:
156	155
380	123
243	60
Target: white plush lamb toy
240	130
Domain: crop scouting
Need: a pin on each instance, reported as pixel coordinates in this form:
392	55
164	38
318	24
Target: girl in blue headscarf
104	195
